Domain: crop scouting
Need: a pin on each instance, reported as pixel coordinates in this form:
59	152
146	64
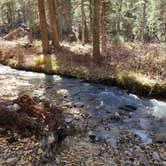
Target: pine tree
52	16
83	22
103	27
96	31
43	26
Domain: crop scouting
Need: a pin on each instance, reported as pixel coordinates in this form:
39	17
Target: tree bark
96	31
165	31
30	34
12	35
43	26
119	17
53	24
91	19
143	22
83	22
103	28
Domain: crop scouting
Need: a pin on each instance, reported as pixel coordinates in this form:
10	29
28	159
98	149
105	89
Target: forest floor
139	68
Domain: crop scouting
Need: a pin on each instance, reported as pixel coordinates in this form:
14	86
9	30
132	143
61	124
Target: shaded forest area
120	20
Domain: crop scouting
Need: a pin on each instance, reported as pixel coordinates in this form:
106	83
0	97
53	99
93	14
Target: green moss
130	77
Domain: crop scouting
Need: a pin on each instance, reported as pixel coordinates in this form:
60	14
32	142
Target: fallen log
12	35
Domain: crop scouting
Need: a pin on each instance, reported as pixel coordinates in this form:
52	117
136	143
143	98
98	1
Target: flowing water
105	112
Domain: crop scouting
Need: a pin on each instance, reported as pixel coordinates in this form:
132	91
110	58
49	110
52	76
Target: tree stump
28	116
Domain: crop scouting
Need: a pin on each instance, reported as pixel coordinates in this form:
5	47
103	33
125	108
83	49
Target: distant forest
119	20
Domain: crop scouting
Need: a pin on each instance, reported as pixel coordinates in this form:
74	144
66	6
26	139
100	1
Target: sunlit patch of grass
141	84
56	65
13	62
131	76
47	63
1	55
39	60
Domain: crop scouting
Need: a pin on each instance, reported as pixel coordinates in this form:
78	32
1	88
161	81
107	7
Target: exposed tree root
29	116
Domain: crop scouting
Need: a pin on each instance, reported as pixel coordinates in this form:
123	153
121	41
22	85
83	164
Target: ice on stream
9	71
159	108
144	136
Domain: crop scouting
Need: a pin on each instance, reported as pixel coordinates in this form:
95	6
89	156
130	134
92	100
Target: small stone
12	161
51	138
163	156
116	116
63	92
20	152
79	104
143	160
164	162
75	111
92	135
3	163
57	161
12	140
112	142
159	138
67	104
16	107
69	119
156	156
40	151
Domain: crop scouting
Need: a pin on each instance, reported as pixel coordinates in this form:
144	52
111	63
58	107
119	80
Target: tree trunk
96	31
30	34
165	31
103	27
12	35
119	17
53	24
83	22
91	19
43	26
143	22
64	19
10	14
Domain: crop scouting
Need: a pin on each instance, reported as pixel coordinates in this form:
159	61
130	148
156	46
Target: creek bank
128	81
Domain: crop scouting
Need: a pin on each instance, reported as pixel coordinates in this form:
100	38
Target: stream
104	113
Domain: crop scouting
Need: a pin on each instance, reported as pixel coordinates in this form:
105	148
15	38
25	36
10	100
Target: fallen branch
12	35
